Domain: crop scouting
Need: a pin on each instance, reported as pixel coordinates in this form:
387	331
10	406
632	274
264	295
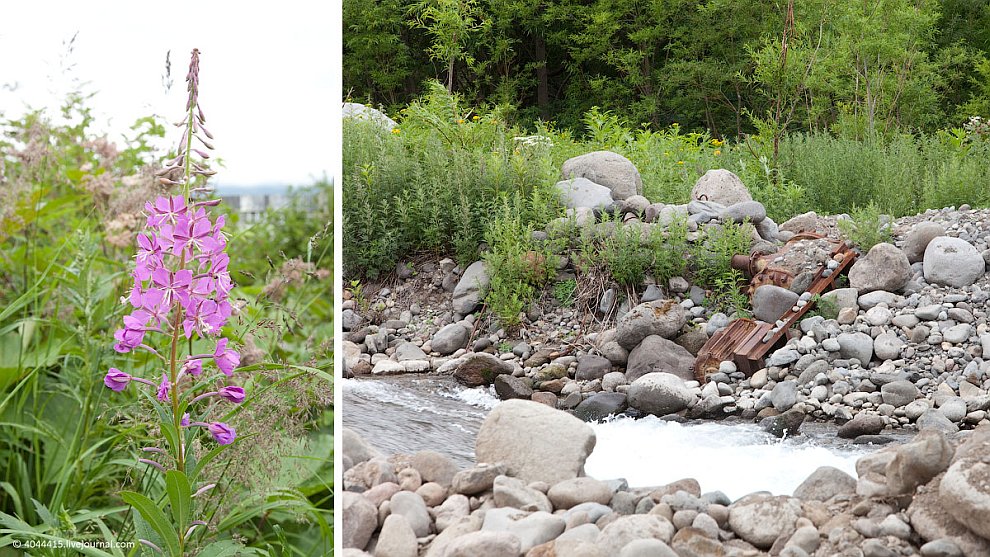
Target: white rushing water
735	459
409	414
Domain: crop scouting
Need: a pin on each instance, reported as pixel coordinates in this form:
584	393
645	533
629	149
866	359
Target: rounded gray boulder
659	394
612	170
952	262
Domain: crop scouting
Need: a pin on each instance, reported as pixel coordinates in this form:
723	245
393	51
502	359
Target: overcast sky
265	74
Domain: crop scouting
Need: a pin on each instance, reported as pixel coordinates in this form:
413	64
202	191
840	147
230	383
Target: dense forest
732	67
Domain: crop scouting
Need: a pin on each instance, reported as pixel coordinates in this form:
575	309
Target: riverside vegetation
585	275
86	470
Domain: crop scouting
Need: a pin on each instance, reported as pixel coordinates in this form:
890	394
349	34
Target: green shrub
711	257
516	265
867	227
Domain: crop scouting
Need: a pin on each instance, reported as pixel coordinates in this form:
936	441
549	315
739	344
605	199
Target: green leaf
179	497
156	518
222	548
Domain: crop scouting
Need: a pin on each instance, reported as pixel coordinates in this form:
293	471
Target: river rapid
405	414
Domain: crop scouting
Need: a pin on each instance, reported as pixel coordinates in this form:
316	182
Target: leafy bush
516	265
711	265
867	227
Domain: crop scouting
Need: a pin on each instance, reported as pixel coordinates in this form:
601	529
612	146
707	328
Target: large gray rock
662	318
451	511
475	480
917	462
625	529
884	268
515	494
355	447
396	539
480	368
487	543
752	211
899	393
919	237
450	339
761	519
932	521
720	186
856	345
659	394
612	170
471	289
360	520
536	442
434	467
657	354
952	262
965	488
805	222
843	298
784	395
887	346
509	386
358	111
863	423
412	507
582	192
601	405
592	366
532	530
573	492
825	483
770	302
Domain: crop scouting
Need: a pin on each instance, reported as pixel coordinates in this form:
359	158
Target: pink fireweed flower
163	389
226	359
223	433
132	335
117	380
149	256
232	393
193	367
173	284
191	232
206	317
165	209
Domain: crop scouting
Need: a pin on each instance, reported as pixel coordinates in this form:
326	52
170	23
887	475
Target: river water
405	414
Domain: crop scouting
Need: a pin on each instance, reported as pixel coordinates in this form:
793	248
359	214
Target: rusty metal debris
808	258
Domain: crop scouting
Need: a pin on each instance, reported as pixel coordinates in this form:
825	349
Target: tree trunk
542	79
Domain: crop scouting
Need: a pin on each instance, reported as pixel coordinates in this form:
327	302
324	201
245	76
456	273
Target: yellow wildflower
460	120
680	162
717	152
476	117
396	131
717	142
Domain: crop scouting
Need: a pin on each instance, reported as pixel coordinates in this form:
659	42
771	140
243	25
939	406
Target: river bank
896	348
